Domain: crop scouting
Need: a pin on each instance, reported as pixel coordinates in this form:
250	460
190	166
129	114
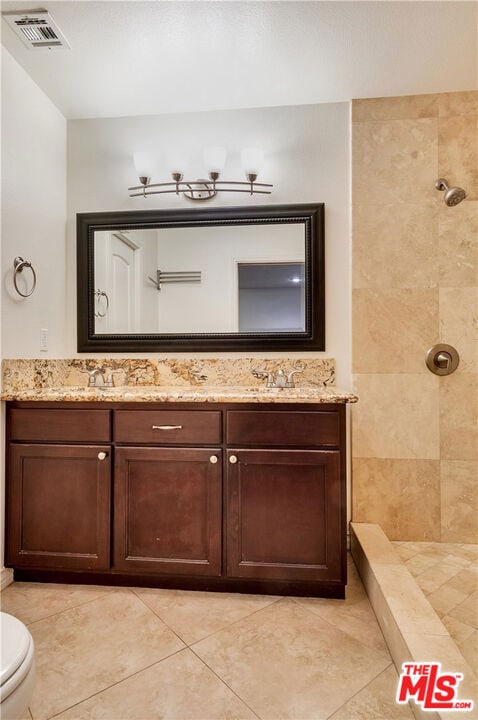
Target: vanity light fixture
202	189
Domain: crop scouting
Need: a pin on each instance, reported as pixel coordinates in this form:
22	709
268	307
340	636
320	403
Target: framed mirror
222	279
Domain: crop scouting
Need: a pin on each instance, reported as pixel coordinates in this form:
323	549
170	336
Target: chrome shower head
453	195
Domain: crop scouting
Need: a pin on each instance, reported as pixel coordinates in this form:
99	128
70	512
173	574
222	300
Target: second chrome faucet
279	379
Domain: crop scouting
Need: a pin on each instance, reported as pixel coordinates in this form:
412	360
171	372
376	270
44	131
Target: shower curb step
411	628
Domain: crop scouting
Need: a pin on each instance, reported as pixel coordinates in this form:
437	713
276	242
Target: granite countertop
157	393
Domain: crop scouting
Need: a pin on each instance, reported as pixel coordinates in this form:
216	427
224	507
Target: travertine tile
459	500
397	416
434	577
357	620
376	701
392	329
445	650
395	108
467	611
469	649
459	324
286	662
88	648
403	496
394	161
195	615
458	630
35	601
179	687
458	152
466	580
458	103
459	417
395	246
419	563
403	551
444	599
458	245
353	615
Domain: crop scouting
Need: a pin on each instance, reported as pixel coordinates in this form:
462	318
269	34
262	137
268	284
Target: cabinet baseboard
215	584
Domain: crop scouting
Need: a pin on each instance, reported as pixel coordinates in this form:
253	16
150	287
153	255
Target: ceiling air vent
36	29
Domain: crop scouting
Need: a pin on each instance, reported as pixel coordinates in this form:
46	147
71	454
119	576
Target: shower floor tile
447	573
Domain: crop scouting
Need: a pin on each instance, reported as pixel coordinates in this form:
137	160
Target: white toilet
17	668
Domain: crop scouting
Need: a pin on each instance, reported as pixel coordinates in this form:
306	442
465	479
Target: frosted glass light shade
252	160
144	164
214	158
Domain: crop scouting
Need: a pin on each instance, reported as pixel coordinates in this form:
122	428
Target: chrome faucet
99	378
281	380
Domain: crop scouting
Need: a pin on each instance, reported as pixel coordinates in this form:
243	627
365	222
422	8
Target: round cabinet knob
233	459
213	459
101	455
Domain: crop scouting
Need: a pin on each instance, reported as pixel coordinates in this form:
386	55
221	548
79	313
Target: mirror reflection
202	279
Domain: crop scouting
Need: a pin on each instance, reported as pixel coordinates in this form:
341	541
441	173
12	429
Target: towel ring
18	264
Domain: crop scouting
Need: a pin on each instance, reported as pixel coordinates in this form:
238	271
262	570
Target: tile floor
143	654
447	573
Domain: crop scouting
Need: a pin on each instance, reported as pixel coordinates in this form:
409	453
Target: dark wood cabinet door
168	510
284	515
58	506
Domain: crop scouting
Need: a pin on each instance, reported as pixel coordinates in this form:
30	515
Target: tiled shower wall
415	277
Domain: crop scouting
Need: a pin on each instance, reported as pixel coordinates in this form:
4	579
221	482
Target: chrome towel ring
18	264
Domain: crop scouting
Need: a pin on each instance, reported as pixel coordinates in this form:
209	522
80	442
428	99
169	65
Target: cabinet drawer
49	425
167	427
283	428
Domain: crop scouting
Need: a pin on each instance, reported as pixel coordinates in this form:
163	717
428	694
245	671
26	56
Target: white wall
33	213
307	159
33	223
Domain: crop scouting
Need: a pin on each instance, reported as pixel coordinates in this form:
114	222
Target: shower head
453	195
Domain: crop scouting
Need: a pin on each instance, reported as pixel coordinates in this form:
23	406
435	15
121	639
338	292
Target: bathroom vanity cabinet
238	496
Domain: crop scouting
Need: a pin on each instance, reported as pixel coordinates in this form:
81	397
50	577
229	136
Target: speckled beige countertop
154	393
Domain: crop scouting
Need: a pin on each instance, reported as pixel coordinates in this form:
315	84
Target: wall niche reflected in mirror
221	279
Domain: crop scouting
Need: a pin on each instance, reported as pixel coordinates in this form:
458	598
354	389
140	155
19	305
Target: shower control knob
442	359
233	459
101	455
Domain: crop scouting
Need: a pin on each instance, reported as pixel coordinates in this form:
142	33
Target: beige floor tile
286	662
376	701
469	648
466	580
84	650
467	611
458	630
356	620
33	601
433	578
180	686
195	615
405	552
420	563
445	599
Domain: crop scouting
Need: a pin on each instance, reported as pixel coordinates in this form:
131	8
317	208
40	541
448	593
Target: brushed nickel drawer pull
166	427
101	455
233	459
213	459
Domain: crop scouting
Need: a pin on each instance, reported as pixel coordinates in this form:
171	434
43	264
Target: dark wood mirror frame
313	339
